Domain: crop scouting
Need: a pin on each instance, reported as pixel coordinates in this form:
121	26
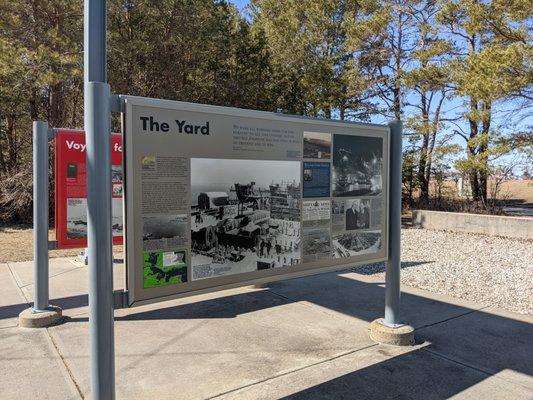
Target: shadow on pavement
467	345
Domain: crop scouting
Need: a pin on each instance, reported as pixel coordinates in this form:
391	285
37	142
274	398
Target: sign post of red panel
71	189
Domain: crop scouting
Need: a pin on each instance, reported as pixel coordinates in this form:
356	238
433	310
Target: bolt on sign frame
219	197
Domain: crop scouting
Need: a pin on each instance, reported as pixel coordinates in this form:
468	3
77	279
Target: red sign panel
71	189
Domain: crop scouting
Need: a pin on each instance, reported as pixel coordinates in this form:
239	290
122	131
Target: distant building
210	200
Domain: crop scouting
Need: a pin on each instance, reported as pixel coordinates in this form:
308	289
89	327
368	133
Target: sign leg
41	314
390	330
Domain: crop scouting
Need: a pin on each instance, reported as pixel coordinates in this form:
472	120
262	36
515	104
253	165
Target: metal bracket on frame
52	244
83	257
52	132
120	299
116	103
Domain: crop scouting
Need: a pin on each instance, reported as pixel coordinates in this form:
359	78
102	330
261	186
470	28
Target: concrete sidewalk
299	339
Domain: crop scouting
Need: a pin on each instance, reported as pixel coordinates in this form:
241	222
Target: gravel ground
485	269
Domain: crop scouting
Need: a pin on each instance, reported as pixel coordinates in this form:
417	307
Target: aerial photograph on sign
245	216
357	166
350	244
316	243
317	145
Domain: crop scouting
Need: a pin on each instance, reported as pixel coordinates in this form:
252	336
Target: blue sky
240	3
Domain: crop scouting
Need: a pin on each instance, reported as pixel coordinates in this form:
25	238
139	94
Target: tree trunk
472	152
12	153
56	105
423	178
2	162
483	148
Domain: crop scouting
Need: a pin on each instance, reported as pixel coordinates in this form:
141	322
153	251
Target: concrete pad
493	341
304	338
31	368
363	297
24	270
68	284
12	303
382	372
194	350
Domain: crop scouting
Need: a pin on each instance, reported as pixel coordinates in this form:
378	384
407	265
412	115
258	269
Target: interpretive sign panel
220	197
71	189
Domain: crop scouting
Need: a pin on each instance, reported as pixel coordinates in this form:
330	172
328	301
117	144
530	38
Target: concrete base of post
402	335
40	319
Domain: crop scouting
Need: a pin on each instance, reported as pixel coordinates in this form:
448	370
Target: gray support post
100	251
40	216
42	314
390	330
99	234
94	45
392	274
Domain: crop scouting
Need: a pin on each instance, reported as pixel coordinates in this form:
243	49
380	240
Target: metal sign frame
137	295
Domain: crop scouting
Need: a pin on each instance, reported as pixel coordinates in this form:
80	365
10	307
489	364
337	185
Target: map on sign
219	197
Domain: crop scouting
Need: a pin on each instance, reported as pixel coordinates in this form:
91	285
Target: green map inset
164	268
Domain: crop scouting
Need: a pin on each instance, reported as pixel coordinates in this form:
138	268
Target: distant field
515	190
518	190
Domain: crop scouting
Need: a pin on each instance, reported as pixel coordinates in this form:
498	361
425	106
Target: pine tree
493	50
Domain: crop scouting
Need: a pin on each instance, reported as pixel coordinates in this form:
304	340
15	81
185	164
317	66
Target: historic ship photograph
357	166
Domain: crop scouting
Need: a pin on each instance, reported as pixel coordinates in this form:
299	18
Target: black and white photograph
338	207
117	190
317	145
376	212
357	166
350	244
338	214
116	173
76	218
245	216
357	214
162	232
116	215
316	244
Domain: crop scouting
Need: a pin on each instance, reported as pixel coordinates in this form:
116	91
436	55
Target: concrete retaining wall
494	225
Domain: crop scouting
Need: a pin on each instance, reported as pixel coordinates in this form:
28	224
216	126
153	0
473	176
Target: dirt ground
16	244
